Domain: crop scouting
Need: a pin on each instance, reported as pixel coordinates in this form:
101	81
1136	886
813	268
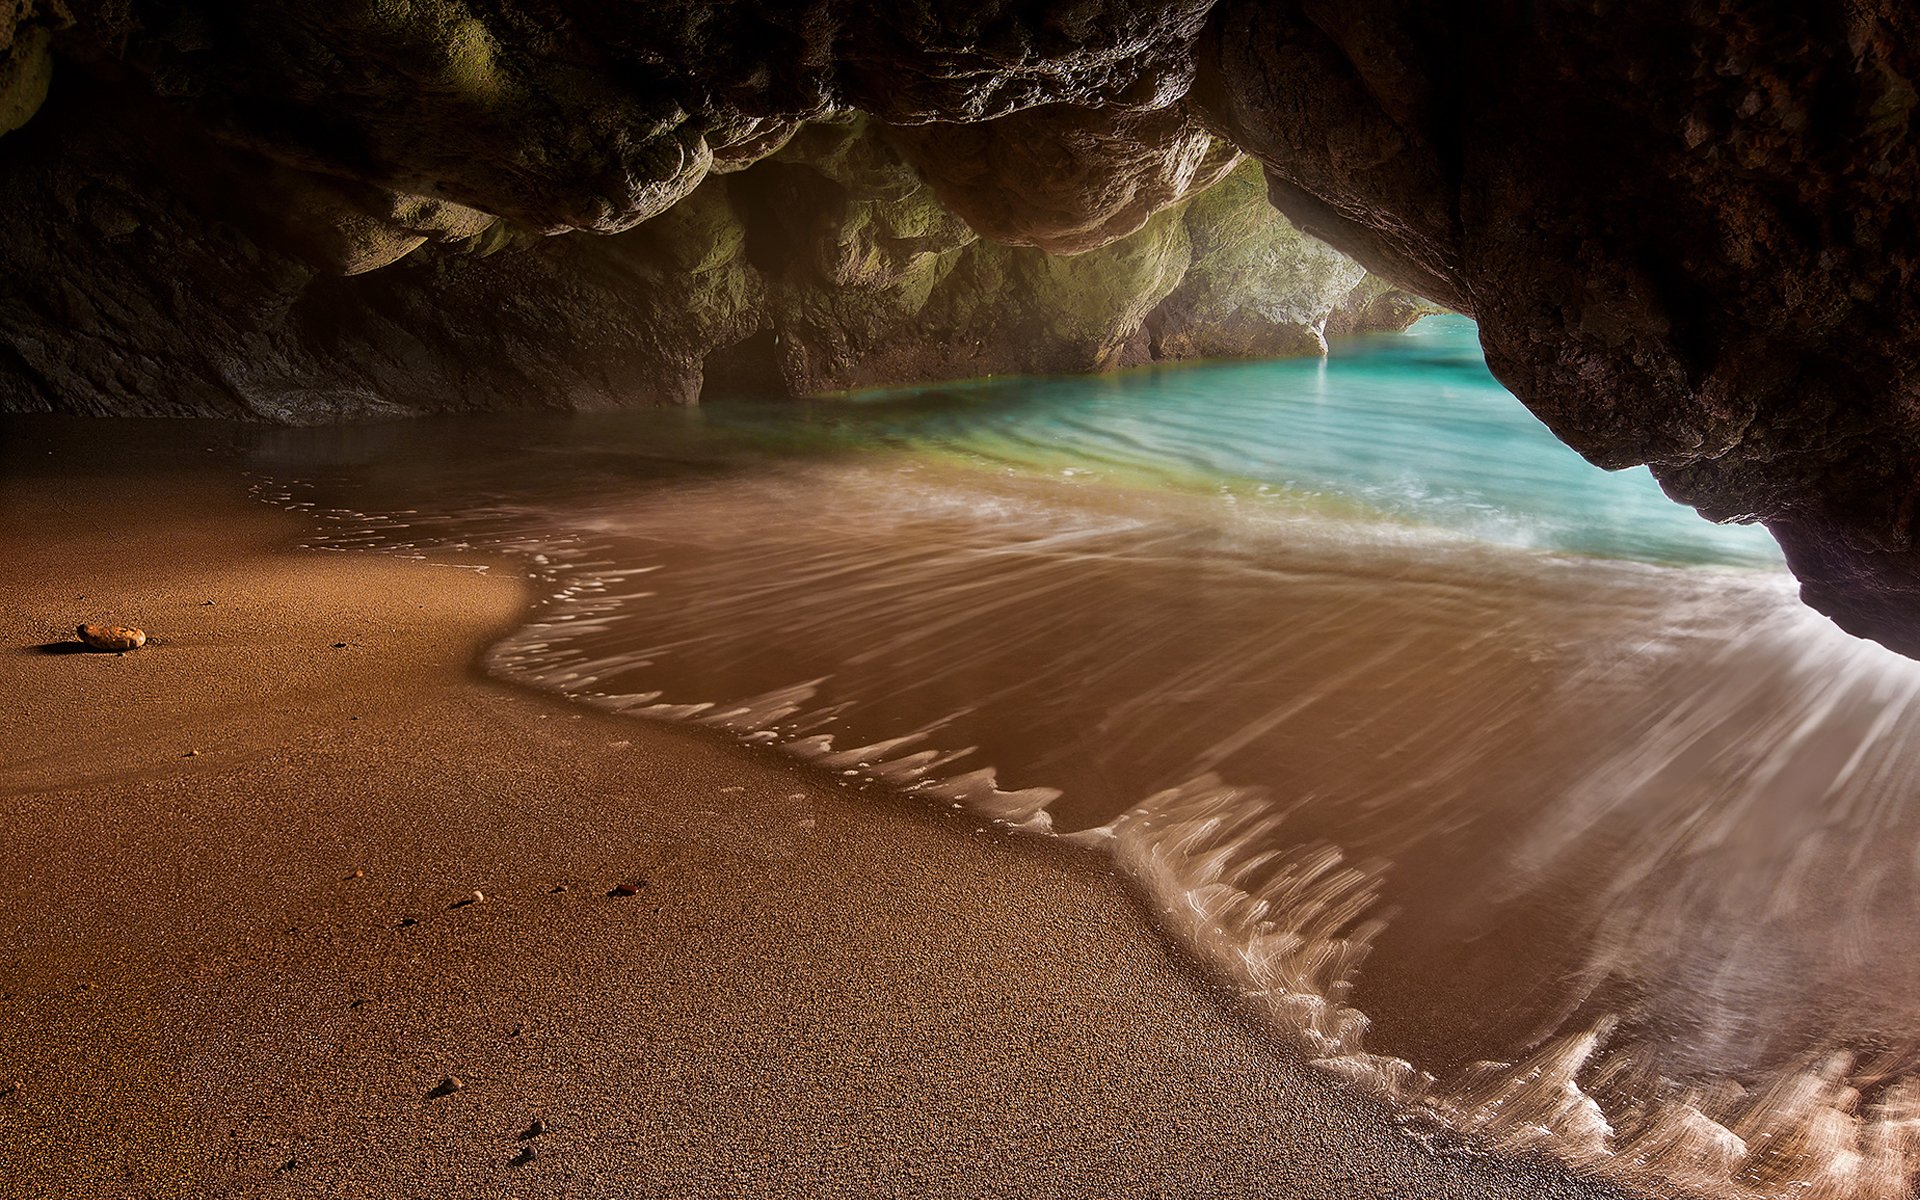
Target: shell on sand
112	637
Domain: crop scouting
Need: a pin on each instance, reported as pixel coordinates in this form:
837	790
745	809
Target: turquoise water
1412	427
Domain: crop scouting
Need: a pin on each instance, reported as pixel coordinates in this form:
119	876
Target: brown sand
207	989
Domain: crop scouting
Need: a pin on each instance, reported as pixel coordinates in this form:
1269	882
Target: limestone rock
1257	286
1064	177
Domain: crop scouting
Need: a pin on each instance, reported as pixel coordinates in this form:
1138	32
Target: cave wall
1686	229
208	280
1687	232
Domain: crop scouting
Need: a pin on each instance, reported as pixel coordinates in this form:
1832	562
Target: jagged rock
1064	177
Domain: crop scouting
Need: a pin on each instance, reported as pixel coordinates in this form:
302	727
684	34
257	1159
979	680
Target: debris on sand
629	887
116	638
447	1087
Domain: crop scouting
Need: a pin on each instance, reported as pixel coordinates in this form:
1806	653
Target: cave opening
719	578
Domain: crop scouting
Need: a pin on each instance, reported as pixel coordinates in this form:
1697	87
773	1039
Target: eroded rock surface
221	282
1686	230
1066	177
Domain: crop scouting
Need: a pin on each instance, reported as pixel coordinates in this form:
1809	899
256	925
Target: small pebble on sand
527	1154
448	1086
630	887
118	638
476	898
191	754
535	1130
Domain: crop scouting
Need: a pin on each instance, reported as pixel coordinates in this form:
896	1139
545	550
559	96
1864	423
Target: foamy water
1522	799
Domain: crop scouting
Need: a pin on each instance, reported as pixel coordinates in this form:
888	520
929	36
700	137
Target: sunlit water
1511	791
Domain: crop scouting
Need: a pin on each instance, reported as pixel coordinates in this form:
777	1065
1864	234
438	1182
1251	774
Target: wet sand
209	984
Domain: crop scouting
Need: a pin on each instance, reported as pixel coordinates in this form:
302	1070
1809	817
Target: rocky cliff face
1685	229
209	280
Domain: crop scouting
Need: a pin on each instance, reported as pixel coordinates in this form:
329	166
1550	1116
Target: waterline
1598	853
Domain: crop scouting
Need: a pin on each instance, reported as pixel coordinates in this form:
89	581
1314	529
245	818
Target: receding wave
1550	849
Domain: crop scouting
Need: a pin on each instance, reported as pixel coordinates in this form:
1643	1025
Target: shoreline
811	993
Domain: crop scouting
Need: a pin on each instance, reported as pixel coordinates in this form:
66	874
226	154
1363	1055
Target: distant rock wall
156	271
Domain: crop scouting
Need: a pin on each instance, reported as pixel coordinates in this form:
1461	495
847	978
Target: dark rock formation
215	281
1686	229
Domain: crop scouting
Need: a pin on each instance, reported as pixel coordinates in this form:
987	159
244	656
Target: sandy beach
270	882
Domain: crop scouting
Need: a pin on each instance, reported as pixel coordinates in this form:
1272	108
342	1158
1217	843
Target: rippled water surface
1513	792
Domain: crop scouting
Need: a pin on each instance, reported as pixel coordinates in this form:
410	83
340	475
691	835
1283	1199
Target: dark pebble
534	1130
527	1154
448	1086
629	888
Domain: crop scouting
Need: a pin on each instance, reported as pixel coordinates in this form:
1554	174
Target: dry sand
211	850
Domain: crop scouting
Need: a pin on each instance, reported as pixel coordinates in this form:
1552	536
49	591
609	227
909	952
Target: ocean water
1410	428
1511	792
